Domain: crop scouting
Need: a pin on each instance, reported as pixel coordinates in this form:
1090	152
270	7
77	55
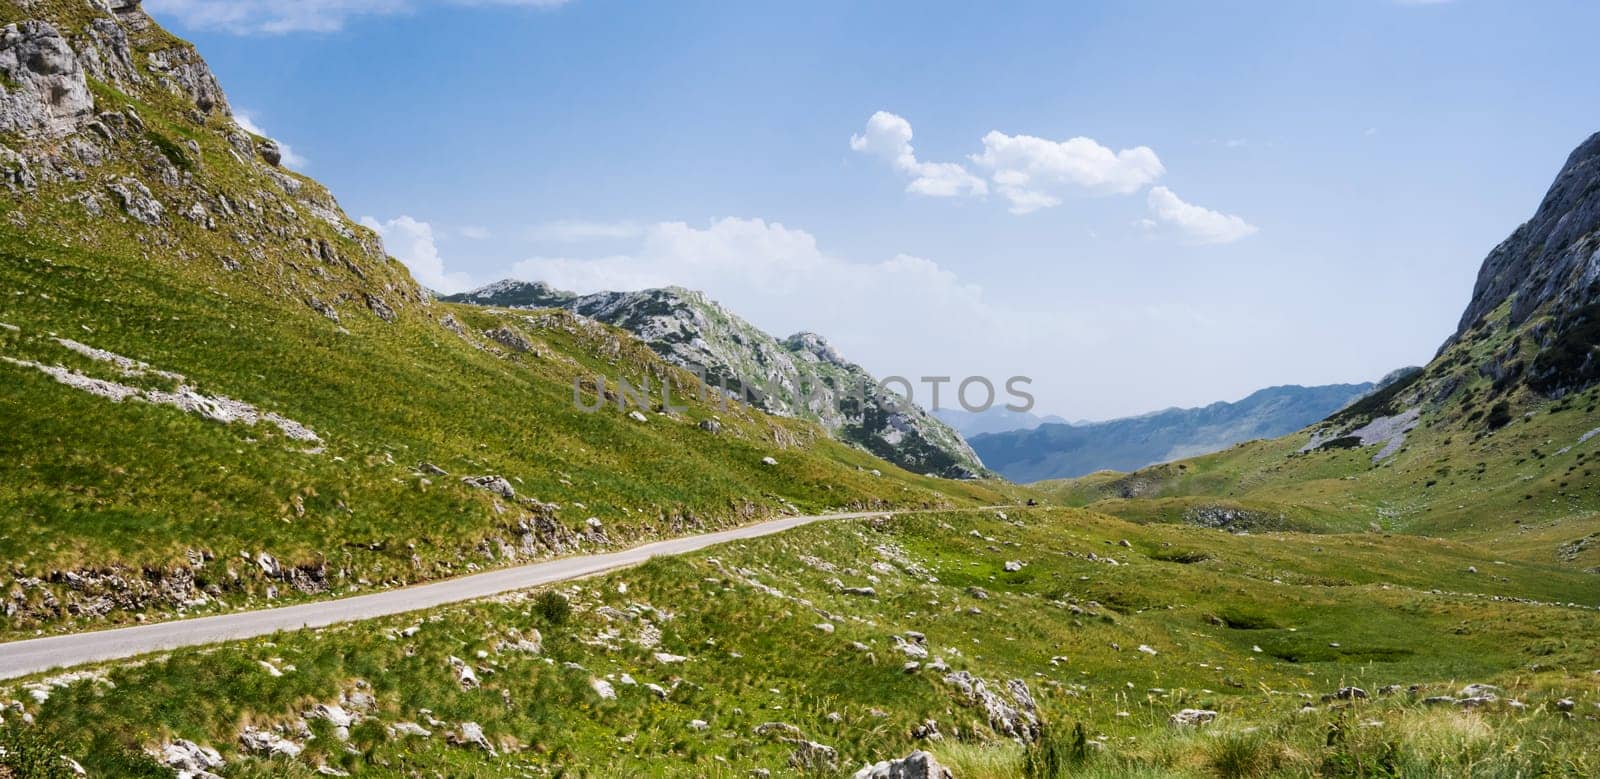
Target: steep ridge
1056	451
802	376
217	390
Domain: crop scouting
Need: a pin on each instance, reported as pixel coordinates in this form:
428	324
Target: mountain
1493	441
993	420
218	390
1055	451
802	376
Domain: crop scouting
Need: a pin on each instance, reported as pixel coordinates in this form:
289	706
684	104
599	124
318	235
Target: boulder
470	734
1190	718
811	756
495	484
265	742
917	765
190	759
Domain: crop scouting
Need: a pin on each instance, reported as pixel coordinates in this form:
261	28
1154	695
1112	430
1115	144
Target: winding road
23	658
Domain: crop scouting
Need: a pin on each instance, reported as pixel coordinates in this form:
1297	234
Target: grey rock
45	94
265	742
1190	718
917	765
495	484
811	756
137	200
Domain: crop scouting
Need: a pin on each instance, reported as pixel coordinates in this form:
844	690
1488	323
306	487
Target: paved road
22	658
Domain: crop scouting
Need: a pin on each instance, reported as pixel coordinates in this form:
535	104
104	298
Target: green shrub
553	607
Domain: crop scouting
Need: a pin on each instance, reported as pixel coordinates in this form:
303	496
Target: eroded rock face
44	93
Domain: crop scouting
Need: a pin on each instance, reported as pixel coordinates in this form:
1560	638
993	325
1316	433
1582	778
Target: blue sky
1260	193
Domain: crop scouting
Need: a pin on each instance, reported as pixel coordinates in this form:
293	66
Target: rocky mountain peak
1552	258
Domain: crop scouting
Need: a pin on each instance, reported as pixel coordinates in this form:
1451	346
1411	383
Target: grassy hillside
1509	468
1109	625
98	487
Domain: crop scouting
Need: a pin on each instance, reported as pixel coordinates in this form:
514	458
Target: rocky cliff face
1529	333
1540	289
802	376
1552	262
116	135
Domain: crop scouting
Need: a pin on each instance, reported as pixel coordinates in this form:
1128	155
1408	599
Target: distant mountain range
1058	451
993	420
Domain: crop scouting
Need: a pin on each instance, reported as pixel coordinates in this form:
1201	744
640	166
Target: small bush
553	607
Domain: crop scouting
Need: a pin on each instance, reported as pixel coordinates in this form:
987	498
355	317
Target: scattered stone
1566	704
711	426
1012	566
811	756
470	734
604	689
430	469
666	658
769	461
1147	649
917	765
1189	718
467	677
699	725
864	592
409	729
495	484
826	627
638	417
190	758
265	742
1479	691
1350	694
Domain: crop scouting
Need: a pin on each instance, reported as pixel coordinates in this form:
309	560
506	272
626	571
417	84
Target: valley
269	507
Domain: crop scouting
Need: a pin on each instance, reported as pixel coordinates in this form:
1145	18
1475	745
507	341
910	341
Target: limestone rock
45	93
917	765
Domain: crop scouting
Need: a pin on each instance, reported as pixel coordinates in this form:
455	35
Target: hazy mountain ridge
1054	451
692	331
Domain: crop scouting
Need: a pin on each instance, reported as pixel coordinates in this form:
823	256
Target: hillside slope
802	376
1055	451
217	390
1494	440
839	645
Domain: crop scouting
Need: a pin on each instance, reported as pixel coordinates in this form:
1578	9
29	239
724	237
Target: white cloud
581	231
412	242
273	17
1197	224
1035	173
473	232
889	136
290	157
